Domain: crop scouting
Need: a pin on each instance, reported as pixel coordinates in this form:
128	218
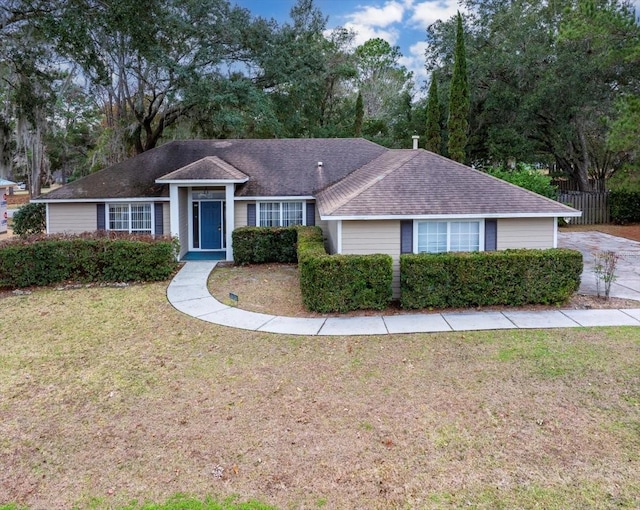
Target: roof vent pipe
415	139
319	165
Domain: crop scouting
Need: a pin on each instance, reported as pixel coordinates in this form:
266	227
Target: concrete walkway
188	293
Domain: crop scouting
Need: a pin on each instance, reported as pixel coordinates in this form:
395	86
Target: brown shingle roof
418	182
209	168
280	167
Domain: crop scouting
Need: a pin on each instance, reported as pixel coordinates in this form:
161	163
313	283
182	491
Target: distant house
366	198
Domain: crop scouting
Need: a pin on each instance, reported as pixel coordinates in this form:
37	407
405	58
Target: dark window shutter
490	235
406	236
158	219
100	223
311	214
251	215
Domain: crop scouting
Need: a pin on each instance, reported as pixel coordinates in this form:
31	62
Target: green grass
112	399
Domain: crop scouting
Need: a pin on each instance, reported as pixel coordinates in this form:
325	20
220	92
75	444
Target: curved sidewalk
188	293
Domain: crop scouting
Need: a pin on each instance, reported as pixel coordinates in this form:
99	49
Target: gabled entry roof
211	168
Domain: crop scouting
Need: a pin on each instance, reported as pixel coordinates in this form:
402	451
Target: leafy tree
458	123
357	125
433	134
304	70
544	80
150	62
526	177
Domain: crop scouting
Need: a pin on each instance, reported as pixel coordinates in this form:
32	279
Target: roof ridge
372	180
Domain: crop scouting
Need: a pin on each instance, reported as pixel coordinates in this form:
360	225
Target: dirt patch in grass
109	395
627	231
275	289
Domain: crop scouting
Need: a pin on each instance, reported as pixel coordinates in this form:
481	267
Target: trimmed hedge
624	206
99	257
509	277
341	283
259	245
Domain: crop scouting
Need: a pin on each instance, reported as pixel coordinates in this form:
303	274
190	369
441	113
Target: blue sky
400	22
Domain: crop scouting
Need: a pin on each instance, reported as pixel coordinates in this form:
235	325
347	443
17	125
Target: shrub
29	220
527	178
100	257
510	277
259	245
624	206
341	283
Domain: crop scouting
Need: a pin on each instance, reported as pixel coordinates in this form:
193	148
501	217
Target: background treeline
87	83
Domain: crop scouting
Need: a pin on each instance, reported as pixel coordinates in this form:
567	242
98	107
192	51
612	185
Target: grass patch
109	395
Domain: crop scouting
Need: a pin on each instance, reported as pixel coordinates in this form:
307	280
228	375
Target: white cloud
415	62
426	13
366	32
369	16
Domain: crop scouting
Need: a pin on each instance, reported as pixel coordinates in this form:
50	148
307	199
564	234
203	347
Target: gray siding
240	216
525	233
72	218
364	237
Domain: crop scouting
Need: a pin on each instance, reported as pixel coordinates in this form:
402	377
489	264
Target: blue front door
211	225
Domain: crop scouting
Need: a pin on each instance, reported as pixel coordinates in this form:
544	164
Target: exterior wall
183	204
525	233
166	218
324	225
331	233
240	208
72	218
365	237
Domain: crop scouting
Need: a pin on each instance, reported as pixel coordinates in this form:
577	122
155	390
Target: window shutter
406	236
158	219
251	215
490	235
100	219
311	214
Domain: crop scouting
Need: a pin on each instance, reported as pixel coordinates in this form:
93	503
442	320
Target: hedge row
341	283
259	245
510	277
46	260
624	206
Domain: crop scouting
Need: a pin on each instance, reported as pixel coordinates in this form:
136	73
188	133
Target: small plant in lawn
605	270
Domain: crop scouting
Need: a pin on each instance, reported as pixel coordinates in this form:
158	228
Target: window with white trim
280	214
133	218
443	236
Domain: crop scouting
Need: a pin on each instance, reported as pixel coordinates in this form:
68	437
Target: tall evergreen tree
458	123
434	138
357	125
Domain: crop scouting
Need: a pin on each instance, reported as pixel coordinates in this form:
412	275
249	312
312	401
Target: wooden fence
594	206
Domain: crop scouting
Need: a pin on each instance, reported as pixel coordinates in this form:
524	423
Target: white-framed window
443	236
280	214
133	218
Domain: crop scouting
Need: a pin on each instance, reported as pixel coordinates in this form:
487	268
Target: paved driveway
627	283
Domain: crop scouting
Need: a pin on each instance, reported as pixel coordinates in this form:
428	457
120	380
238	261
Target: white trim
448	222
46	214
201	182
339	235
287	198
101	200
174	212
479	216
229	213
555	233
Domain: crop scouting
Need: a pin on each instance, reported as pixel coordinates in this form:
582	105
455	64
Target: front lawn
109	395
